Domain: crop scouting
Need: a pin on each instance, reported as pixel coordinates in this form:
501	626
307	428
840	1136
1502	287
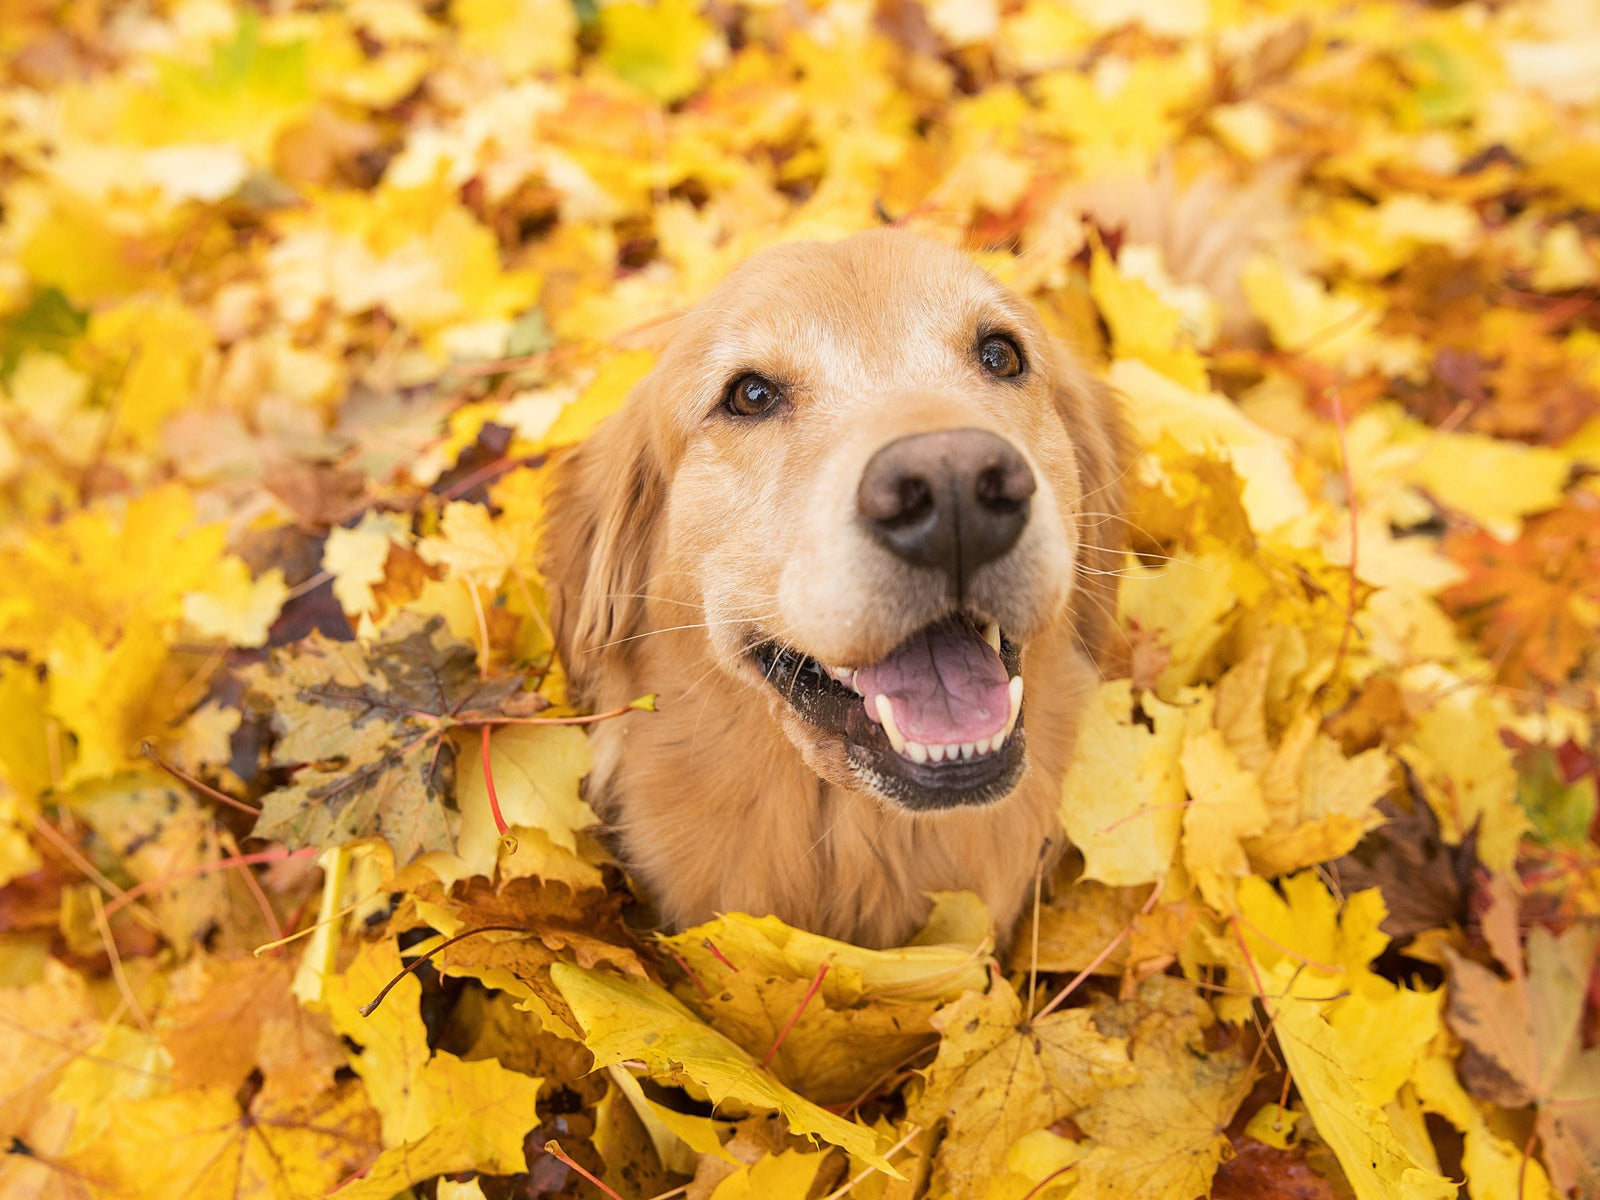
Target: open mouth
935	724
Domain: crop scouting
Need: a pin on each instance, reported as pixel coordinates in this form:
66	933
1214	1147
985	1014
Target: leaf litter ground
296	304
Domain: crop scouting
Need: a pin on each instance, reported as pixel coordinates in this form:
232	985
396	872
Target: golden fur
676	533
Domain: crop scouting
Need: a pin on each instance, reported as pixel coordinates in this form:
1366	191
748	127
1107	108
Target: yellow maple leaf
1225	806
1195	417
1495	483
871	1009
1161	1136
234	607
474	548
158	346
604	395
1494	1165
1142	325
440	1114
199	1142
997	1078
536	773
107	698
356	556
1375	1162
24	749
786	1176
1467	774
658	47
523	36
611	1010
1303	932
1122	800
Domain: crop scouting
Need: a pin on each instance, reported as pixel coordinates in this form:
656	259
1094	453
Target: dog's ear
1100	434
598	536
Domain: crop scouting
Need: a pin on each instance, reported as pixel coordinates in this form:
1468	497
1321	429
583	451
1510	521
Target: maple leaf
840	1018
1534	601
439	1113
587	924
682	1049
1161	1136
364	731
202	1142
1424	882
998	1077
1528	1031
231	1018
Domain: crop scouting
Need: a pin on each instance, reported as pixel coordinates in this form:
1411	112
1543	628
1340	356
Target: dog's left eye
1000	356
752	396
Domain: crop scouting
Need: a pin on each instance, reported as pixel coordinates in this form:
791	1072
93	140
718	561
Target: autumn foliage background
296	303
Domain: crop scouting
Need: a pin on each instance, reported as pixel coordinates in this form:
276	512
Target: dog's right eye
752	396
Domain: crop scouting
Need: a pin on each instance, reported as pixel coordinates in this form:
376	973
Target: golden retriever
860	502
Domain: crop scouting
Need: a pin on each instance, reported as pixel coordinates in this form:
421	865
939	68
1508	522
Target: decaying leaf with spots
364	729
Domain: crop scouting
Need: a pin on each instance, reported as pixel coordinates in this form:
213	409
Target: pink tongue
946	684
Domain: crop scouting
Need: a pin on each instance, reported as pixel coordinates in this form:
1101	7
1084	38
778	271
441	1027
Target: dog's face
868	471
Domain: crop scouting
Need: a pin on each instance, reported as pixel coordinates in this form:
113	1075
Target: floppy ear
1104	444
598	537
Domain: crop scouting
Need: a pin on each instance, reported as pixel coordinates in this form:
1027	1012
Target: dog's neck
709	793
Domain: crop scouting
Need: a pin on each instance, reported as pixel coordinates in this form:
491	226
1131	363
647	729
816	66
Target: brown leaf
316	493
1425	883
1258	1171
584	925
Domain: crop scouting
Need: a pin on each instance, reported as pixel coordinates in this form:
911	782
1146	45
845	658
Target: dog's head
869	473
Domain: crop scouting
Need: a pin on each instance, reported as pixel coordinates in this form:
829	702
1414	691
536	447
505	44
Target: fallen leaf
365	732
998	1077
686	1051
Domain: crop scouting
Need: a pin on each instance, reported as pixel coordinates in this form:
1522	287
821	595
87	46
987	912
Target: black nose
952	500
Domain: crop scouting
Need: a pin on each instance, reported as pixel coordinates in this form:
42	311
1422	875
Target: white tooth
854	675
968	749
916	752
886	716
991	634
935	752
841	675
1016	705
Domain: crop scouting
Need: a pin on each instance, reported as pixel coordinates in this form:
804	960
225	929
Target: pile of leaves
299	300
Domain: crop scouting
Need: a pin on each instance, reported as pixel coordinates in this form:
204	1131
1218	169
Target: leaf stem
811	991
205	789
1337	404
889	1153
554	1150
283	854
371	1006
588	719
494	799
1111	946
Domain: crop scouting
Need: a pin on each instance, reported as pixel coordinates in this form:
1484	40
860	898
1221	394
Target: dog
859	530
